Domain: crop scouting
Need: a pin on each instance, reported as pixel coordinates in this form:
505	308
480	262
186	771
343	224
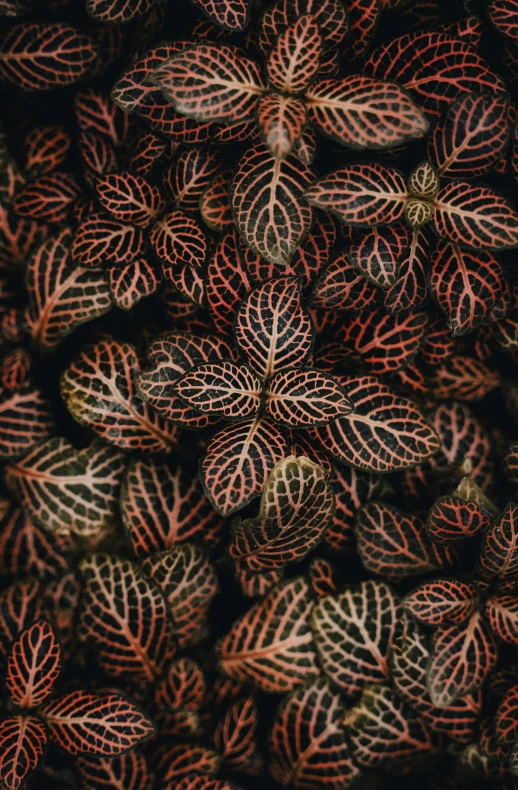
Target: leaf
330	15
381	727
25	420
502	14
229	14
238	461
189	175
295	56
506	724
363	18
129	769
273	330
20	605
131	632
305	397
499	551
211	83
297	506
502	616
61	295
227	280
96	112
475	217
116	11
129	198
385	433
177	238
33	666
361	112
235	737
162	505
465	286
22	743
215	204
97	724
44	56
281	120
271	645
434	67
362	195
268	204
99	392
100	240
68	490
48	198
442	601
377	252
45	148
462	515
221	389
186	759
464	378
462	657
353	632
308	747
27	549
472	137
133	282
342	287
395	545
188	583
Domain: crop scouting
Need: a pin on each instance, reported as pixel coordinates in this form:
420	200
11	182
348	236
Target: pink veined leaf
409	292
101	240
506	724
256	585
189	175
221	389
271	645
45	148
48	198
502	615
227	280
211	83
364	16
281	120
33	666
116	11
96	112
130	769
499	550
462	657
362	195
331	16
238	461
297	506
215	204
229	14
178	238
98	155
305	397
26	419
22	743
129	198
97	724
442	601
184	760
463	514
475	217
463	378
502	13
133	282
377	253
361	112
235	737
305	148
20	605
342	287
268	203
295	57
472	136
353	632
395	545
308	746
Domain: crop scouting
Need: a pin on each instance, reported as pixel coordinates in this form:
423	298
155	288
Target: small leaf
305	397
22	743
33	666
281	120
26	419
133	282
442	601
129	769
230	15
295	57
502	615
129	198
100	240
499	550
48	198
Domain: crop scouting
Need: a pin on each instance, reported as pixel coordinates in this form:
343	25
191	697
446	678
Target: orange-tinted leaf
306	397
22	743
25	420
33	666
442	601
281	120
295	57
221	389
129	198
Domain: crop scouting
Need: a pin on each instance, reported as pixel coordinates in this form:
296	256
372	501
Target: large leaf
353	632
472	137
211	83
281	121
442	601
61	295
306	397
238	461
221	389
385	433
308	747
268	203
395	545
273	329
361	112
44	56
33	666
475	217
271	645
499	550
297	506
22	743
68	490
26	420
98	389
462	657
162	505
98	724
131	631
362	195
295	57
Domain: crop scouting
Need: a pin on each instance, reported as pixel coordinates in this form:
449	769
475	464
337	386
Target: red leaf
28	549
215	204
295	56
362	195
148	152
129	770
499	550
342	287
211	83
273	330
472	137
22	743
506	724
308	746
229	14
442	602
353	632
503	13
221	389
281	120
45	149
33	666
48	198
271	645
117	10
132	282
268	204
26	419
297	506
45	56
190	174
101	240
410	290
377	252
107	724
462	515
95	111
438	344
502	615
475	217
330	15
129	198
227	280
238	461
20	605
395	545
235	737
364	17
462	657
463	378
177	238
306	397
97	154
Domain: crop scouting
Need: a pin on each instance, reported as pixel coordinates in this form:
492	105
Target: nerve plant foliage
258	400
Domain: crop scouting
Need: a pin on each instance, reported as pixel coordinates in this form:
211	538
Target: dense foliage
258	394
